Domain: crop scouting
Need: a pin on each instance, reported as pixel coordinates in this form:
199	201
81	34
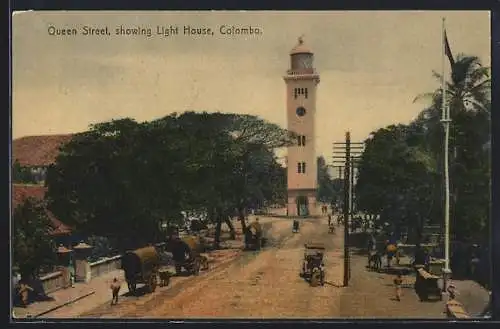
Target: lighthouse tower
301	83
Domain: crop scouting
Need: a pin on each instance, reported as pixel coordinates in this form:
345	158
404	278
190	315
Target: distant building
37	153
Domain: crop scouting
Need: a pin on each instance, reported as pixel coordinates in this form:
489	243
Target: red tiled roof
35	151
22	192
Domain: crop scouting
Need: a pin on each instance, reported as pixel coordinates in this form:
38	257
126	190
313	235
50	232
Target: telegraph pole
351	188
347	156
347	206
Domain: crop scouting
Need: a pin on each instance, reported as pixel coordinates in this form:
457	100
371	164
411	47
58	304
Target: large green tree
327	191
32	245
99	182
396	179
248	174
122	178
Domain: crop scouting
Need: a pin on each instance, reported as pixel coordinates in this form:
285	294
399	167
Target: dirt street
263	284
266	284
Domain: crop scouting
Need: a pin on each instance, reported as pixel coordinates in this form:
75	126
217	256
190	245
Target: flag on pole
447	49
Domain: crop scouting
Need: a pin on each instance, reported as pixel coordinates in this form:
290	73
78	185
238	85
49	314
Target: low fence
105	265
56	280
52	282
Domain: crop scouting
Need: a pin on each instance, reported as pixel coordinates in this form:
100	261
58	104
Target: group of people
27	289
22	291
390	250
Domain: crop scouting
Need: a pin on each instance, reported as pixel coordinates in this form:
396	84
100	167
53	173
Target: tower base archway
302	203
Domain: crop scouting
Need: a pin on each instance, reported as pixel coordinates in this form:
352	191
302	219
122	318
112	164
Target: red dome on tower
300	48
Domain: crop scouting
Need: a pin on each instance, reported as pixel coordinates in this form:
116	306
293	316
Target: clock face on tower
300	111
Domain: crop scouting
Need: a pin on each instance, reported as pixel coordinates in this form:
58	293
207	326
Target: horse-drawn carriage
141	266
313	266
186	252
295	226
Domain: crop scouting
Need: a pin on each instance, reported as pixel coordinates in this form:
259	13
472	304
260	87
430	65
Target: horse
375	257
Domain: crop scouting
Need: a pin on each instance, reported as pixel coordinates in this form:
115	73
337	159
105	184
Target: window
301	167
301	140
300	91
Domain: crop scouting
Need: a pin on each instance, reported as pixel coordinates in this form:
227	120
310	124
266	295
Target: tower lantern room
301	58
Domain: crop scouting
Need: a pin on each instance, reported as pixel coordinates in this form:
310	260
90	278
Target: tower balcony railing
301	72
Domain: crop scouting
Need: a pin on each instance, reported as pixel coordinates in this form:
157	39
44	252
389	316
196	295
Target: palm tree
468	90
468	97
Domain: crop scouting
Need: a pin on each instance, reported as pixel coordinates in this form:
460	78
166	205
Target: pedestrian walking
452	292
391	248
329	220
419	256
72	279
115	289
398	282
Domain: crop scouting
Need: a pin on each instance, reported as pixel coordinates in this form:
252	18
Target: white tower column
301	83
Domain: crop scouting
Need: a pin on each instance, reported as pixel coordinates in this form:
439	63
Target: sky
372	65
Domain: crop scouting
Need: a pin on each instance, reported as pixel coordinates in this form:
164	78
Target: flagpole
445	119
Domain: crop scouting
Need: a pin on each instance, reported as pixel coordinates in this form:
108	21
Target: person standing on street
398	281
451	290
372	244
419	257
115	289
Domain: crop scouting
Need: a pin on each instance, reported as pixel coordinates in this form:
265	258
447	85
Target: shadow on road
138	292
334	284
359	252
182	274
404	286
